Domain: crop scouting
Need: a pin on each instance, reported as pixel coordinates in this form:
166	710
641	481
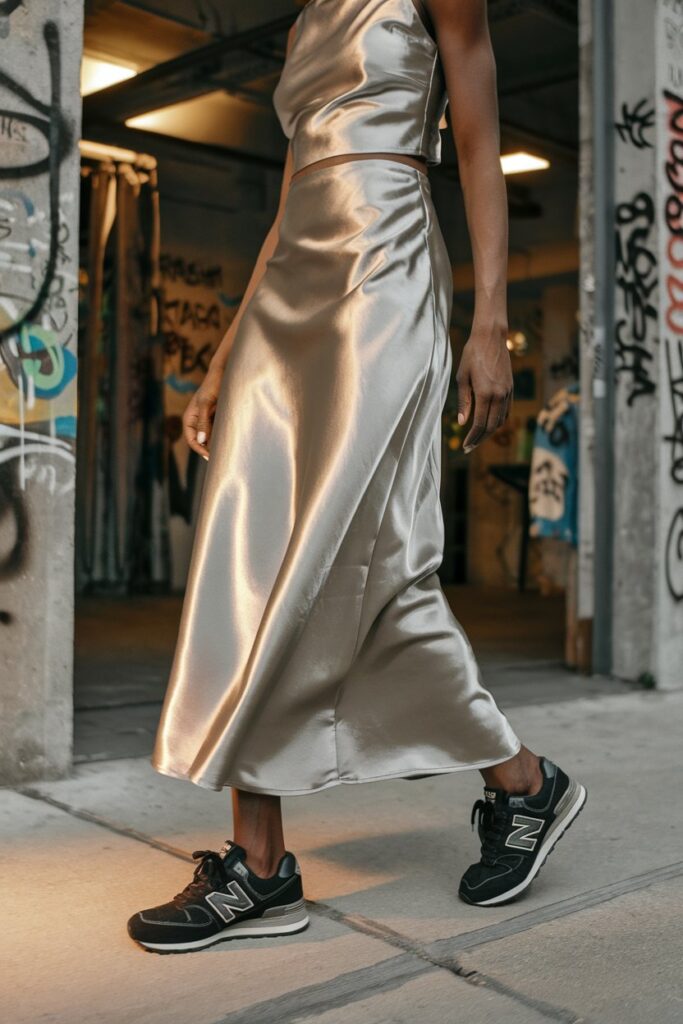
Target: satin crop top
361	76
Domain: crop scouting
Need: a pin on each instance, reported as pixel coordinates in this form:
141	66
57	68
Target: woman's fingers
205	412
490	412
464	398
477	431
484	388
200	412
195	429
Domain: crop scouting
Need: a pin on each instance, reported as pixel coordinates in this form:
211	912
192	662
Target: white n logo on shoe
525	835
226	903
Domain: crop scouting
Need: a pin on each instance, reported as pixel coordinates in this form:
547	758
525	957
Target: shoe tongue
502	797
232	853
495	796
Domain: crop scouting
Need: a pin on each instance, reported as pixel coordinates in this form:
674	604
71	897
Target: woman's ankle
264	864
257	820
520	775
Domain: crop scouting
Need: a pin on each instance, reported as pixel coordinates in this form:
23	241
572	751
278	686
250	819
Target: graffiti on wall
636	267
38	283
673	339
35	143
196	314
38	279
636	124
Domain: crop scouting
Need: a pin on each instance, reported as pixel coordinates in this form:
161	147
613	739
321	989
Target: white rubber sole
554	834
294	920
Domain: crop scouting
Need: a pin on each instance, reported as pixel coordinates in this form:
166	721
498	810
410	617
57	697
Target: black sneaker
225	900
517	833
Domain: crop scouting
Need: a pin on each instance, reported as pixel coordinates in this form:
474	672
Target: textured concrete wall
647	621
668	491
636	338
40	47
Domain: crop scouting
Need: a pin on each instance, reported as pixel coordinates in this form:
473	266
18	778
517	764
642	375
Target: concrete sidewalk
598	938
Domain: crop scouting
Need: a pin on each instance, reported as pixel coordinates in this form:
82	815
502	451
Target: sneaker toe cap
169	923
480	877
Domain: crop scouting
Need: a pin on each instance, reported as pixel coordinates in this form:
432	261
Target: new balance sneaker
224	900
517	833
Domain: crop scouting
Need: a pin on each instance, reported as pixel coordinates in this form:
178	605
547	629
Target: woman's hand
198	417
484	381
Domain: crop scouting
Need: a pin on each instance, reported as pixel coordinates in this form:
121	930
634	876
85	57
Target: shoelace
209	868
493	819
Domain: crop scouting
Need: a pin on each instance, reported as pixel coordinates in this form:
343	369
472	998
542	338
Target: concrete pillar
40	49
636	339
668	491
647	583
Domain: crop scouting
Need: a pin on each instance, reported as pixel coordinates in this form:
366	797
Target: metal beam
182	78
168	147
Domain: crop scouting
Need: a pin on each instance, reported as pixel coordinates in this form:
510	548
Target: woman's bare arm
200	412
485	374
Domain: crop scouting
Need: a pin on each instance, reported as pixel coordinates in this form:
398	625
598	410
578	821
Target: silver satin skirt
316	646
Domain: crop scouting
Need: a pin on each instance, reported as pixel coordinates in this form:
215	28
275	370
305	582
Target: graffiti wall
636	339
39	63
199	301
214	217
194	320
669	425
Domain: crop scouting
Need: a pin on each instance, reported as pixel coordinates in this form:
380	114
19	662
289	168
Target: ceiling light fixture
97	74
151	120
521	162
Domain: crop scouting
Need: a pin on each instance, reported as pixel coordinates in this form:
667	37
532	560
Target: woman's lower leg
257	820
520	774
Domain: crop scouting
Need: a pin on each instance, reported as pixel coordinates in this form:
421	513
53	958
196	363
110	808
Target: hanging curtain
122	541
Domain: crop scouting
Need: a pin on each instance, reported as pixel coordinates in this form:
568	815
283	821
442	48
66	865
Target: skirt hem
340	780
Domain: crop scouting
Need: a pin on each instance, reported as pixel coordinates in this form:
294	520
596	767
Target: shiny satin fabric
316	645
362	76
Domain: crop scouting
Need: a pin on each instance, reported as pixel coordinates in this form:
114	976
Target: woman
316	646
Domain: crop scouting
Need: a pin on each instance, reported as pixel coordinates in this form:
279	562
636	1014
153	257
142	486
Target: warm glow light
99	74
517	343
151	120
518	163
